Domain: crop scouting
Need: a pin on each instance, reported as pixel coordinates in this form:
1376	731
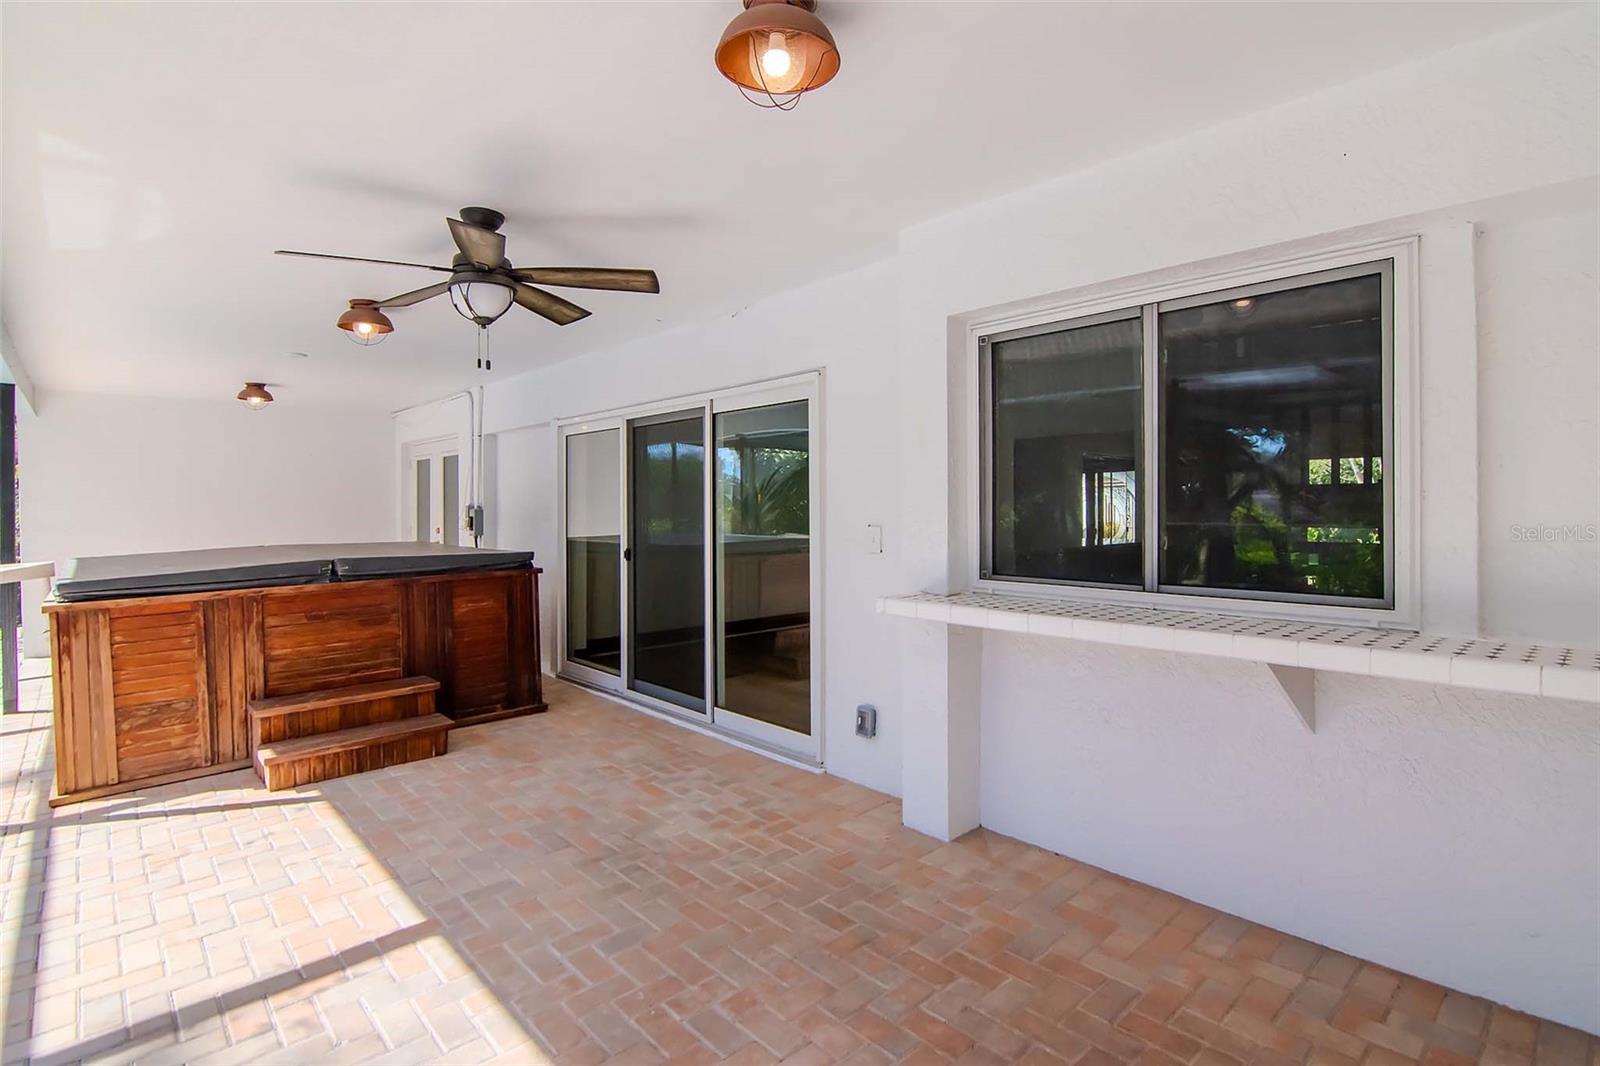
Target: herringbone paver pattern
593	885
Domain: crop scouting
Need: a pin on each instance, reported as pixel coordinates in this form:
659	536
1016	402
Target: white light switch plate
874	540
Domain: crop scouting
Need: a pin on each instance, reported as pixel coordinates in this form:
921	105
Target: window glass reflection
763	508
1067	415
1272	442
669	572
594	550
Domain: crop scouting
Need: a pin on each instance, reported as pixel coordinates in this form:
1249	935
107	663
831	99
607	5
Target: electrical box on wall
866	720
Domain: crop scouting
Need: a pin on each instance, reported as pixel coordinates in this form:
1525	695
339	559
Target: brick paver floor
592	885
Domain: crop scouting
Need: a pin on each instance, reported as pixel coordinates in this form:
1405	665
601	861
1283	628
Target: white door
434	511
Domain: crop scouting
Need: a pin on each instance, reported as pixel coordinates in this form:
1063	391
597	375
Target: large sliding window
692	570
1234	443
1067	416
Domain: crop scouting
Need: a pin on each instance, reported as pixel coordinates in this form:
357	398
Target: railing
11	577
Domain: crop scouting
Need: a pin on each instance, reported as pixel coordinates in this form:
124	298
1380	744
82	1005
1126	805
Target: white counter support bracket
1294	651
1299	685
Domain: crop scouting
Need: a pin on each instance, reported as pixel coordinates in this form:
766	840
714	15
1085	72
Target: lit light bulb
775	61
364	328
254	395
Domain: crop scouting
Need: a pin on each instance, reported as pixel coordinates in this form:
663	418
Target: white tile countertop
1471	662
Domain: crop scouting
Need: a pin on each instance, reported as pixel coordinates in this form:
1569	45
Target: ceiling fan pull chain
484	362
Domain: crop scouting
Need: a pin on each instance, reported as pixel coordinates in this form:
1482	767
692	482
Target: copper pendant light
254	395
776	51
365	323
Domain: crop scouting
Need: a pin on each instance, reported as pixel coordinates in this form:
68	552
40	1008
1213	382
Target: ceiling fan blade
358	259
561	312
484	247
416	296
593	278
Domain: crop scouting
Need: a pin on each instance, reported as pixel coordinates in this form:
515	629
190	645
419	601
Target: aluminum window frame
986	430
1396	260
1382	269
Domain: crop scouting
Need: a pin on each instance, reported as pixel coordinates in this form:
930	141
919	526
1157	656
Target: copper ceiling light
776	51
364	323
254	395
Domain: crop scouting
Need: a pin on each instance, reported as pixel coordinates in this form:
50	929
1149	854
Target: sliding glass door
667	575
763	569
704	605
594	550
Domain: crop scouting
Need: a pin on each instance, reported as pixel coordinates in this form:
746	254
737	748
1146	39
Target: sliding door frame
631	682
809	745
566	667
806	386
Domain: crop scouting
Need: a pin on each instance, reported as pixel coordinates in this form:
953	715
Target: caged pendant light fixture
254	395
364	323
776	51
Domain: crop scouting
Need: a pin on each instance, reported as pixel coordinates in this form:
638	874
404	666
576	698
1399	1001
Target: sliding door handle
627	555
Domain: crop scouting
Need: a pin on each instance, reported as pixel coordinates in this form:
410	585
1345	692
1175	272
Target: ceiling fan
483	284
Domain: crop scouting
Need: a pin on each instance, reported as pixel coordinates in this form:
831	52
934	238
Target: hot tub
157	657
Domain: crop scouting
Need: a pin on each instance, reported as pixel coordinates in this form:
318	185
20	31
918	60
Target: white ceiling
156	154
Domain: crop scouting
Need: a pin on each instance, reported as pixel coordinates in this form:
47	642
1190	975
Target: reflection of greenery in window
1268	421
1377	469
763	490
1340	535
668	466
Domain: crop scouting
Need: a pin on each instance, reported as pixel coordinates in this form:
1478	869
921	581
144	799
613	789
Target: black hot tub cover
214	569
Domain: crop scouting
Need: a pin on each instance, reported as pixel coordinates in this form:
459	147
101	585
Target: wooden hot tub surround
160	688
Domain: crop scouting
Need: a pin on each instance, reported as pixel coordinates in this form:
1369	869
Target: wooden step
303	760
331	710
329	697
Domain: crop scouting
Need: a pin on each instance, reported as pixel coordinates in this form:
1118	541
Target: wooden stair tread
332	697
347	739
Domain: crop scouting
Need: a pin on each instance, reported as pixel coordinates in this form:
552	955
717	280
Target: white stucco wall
839	326
1441	831
1539	431
1447	833
114	475
1388	831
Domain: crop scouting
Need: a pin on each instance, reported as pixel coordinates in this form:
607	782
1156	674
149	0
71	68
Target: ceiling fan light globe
480	302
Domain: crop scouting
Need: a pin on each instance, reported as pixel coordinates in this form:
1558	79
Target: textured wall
1441	831
1539	432
1448	833
839	325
